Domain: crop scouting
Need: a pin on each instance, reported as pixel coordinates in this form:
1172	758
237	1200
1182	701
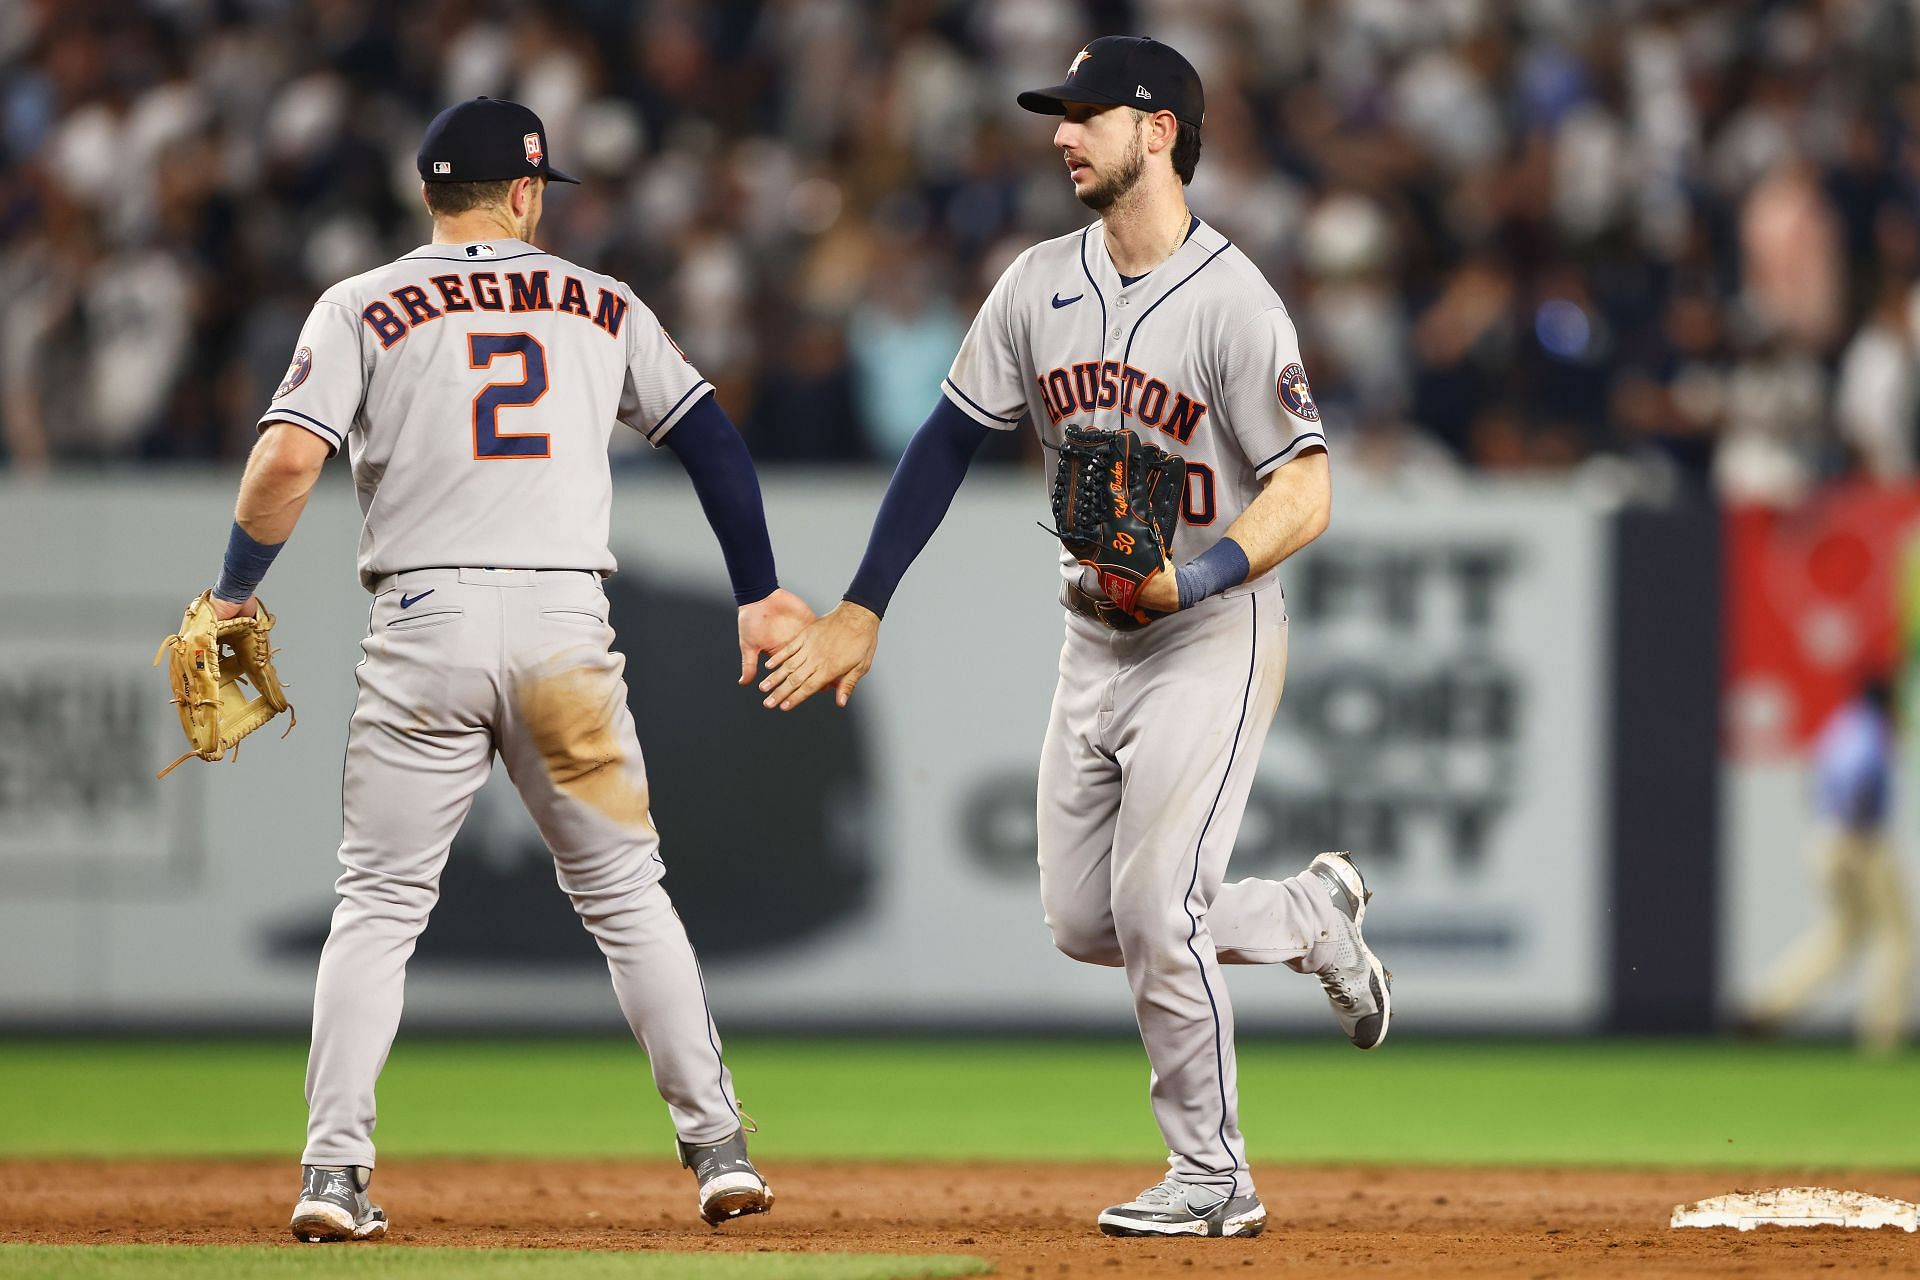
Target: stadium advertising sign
1442	719
874	866
79	804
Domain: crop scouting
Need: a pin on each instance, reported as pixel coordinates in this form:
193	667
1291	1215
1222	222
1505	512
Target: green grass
1606	1102
166	1262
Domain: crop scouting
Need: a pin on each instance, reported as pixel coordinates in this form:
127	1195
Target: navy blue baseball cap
486	140
1126	71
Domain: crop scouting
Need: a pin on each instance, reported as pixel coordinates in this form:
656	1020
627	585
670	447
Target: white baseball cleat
1358	986
334	1206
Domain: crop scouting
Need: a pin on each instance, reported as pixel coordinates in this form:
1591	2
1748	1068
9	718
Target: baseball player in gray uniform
1148	320
475	382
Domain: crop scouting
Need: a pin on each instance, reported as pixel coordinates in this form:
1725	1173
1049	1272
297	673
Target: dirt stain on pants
572	717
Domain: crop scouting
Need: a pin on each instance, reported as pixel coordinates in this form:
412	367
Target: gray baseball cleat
1176	1208
334	1206
730	1187
1359	987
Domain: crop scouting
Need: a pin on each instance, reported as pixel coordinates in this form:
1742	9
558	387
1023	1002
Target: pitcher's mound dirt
1029	1219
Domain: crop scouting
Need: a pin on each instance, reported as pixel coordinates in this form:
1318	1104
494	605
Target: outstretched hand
767	625
836	650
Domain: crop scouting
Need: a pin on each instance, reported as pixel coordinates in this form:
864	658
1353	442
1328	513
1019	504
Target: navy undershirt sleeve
918	496
721	469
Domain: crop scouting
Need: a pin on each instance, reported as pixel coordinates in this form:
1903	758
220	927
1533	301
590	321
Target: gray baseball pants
459	664
1149	757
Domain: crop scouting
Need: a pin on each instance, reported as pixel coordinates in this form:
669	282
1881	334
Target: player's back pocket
422	621
577	617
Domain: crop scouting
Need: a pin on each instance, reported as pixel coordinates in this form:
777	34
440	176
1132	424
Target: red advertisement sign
1815	599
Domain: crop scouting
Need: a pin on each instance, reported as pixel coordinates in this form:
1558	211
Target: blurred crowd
1671	240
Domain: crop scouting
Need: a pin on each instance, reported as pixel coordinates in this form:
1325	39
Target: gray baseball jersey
1198	356
493	353
475	386
1155	735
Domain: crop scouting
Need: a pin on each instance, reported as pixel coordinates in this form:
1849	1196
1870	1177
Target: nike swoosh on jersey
407	601
1059	302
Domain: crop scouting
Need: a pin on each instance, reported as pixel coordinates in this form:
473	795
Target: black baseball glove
1115	501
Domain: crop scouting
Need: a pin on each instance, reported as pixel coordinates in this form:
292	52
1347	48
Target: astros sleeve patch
327	378
1262	367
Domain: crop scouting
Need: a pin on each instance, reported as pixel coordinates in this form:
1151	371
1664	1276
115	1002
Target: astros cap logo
1078	58
532	143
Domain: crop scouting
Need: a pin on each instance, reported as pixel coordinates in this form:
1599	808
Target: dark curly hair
1186	151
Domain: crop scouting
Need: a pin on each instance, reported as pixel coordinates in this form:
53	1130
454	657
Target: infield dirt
1028	1219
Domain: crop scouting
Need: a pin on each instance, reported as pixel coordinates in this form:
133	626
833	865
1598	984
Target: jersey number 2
482	350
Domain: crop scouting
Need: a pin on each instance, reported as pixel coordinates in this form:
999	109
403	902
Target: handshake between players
473	384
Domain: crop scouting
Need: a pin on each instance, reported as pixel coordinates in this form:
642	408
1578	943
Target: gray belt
476	576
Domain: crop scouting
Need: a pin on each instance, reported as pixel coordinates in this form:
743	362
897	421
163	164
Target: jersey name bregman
1103	384
484	291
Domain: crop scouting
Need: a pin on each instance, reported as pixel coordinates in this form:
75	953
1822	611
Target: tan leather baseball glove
206	661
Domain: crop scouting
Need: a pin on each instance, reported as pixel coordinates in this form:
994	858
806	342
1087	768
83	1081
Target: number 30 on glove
1115	501
206	661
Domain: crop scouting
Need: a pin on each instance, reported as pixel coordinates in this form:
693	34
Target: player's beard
1113	188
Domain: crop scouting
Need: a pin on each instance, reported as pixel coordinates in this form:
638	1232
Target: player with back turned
474	383
1146	332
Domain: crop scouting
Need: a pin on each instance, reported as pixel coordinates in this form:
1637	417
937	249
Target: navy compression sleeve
246	563
918	496
721	469
1220	566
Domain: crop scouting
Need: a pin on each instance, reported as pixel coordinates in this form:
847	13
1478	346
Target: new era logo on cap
1140	91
